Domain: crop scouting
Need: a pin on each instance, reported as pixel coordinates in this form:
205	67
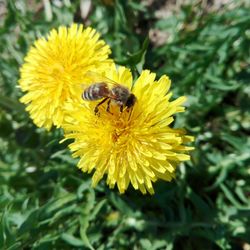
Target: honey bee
110	91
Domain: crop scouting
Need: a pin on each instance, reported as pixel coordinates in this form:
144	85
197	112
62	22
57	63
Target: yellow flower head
54	69
135	145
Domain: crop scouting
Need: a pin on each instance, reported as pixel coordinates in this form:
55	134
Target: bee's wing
84	86
96	78
91	78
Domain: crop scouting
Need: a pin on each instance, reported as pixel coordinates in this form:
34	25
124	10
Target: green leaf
199	203
98	208
2	235
137	59
56	204
30	223
231	198
10	104
84	221
236	142
72	240
121	205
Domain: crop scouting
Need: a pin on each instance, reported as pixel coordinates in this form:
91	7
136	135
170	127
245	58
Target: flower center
57	70
120	131
115	136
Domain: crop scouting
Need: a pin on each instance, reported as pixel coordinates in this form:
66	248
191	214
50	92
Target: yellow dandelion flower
54	68
135	146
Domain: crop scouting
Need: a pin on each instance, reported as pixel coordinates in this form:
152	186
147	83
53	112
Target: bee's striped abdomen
96	91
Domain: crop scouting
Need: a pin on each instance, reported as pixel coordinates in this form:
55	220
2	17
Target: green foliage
47	203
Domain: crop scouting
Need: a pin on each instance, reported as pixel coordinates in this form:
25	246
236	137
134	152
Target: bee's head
131	101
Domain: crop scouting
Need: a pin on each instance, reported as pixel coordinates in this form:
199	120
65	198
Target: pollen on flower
135	146
54	69
115	136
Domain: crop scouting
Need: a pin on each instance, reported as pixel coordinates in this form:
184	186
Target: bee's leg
100	103
121	108
108	107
